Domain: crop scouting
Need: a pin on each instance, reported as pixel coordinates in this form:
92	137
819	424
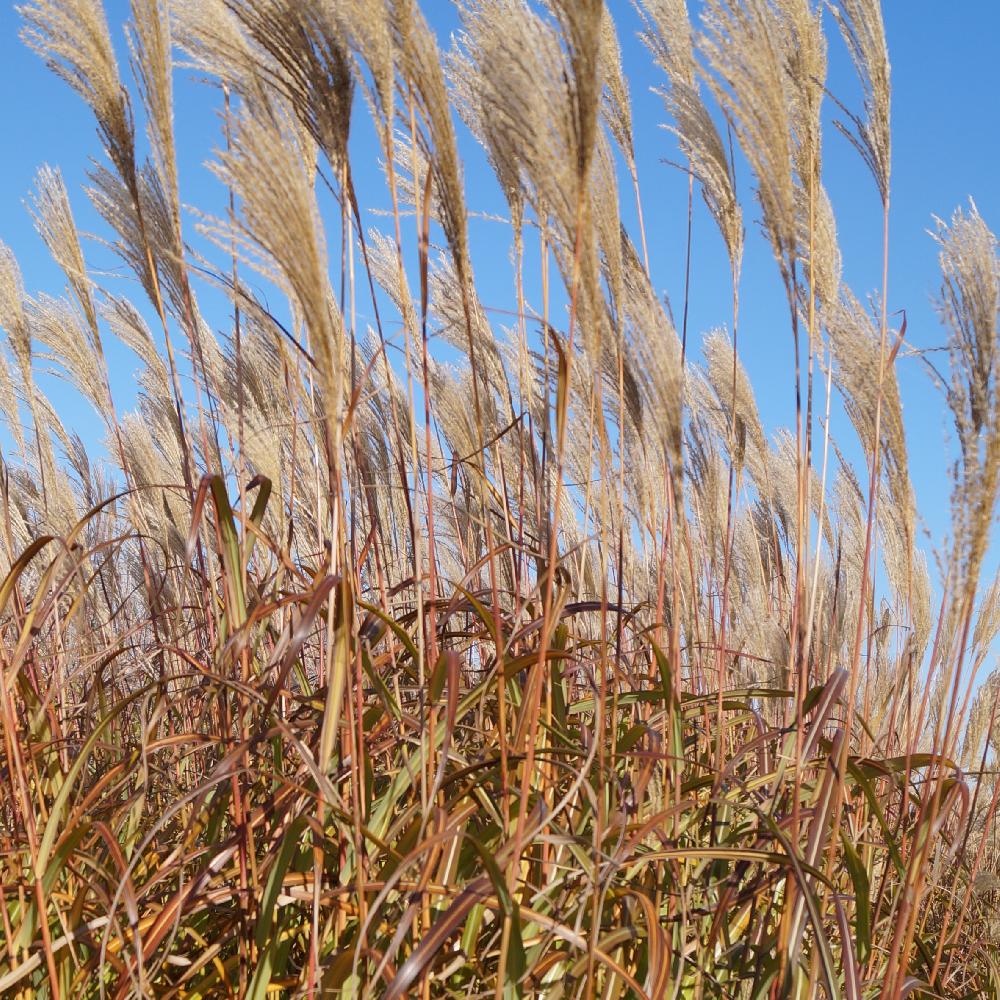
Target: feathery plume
805	63
668	36
9	402
73	38
61	327
744	48
13	318
617	105
209	33
582	22
969	300
860	23
55	224
420	67
303	39
150	44
280	234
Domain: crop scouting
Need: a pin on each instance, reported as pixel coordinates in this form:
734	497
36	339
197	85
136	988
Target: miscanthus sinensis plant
440	656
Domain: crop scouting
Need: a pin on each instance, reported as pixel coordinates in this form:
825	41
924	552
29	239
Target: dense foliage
430	657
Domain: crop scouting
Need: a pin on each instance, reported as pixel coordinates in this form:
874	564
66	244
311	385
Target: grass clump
419	657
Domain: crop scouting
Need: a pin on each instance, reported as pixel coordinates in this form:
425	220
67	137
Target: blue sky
945	149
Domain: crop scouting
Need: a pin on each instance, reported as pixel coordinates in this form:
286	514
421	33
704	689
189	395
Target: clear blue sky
945	148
